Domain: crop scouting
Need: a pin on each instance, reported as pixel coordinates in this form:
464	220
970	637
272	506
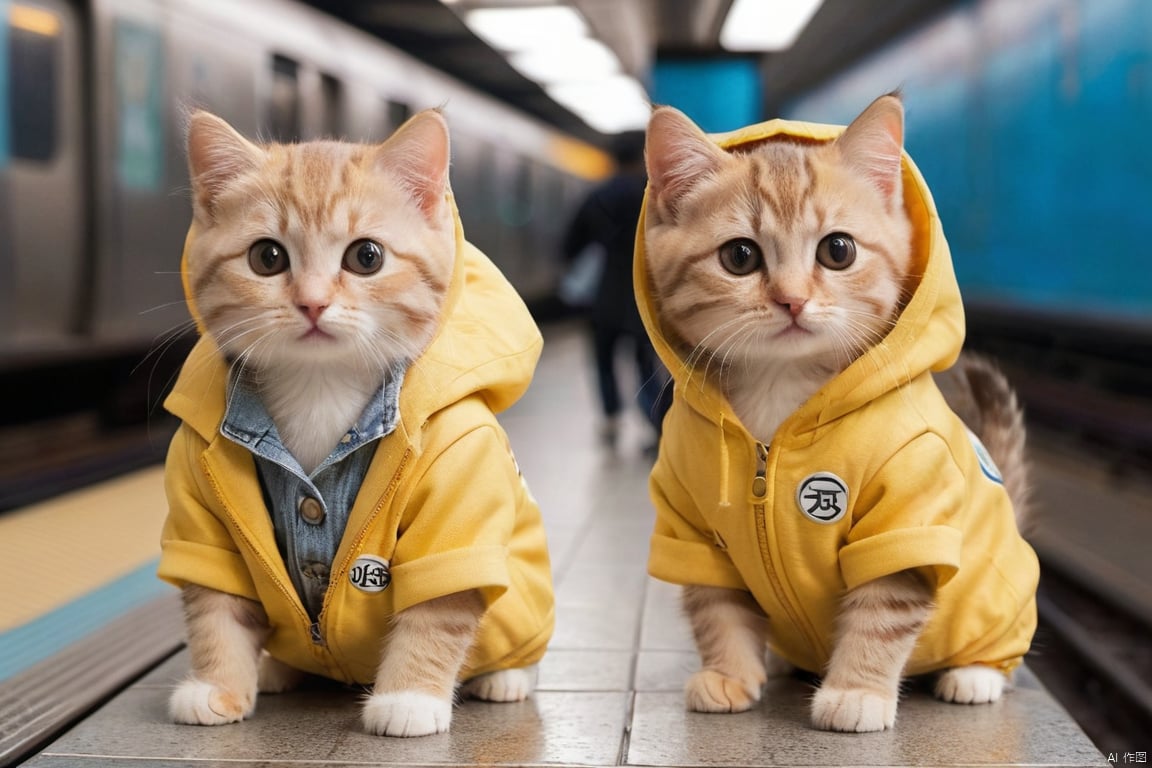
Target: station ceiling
639	31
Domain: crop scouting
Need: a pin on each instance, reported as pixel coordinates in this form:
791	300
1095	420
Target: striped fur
730	632
225	635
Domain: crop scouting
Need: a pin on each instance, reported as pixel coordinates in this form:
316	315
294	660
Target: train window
284	100
517	207
33	65
398	112
332	92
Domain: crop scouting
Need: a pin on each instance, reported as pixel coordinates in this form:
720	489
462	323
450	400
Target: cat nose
793	304
312	311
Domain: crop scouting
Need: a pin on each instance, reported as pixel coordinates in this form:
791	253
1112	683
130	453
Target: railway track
1096	658
1090	394
50	457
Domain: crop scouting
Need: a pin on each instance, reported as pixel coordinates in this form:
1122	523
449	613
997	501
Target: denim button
312	510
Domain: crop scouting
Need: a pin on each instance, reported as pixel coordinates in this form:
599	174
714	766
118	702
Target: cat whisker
165	305
160	345
741	337
702	348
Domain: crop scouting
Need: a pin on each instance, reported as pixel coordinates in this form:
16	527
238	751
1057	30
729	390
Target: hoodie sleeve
459	521
911	518
196	547
683	549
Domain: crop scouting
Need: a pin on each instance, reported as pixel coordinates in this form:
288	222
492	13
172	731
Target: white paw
975	684
407	713
853	710
504	685
712	691
195	702
275	676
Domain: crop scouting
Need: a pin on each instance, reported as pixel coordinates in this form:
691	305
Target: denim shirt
310	511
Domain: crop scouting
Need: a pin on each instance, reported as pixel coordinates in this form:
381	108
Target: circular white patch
370	574
822	497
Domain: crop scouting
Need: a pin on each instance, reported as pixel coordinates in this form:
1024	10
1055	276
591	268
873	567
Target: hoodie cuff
185	562
692	563
484	568
935	549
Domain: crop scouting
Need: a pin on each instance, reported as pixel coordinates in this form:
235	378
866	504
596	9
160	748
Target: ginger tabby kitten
773	265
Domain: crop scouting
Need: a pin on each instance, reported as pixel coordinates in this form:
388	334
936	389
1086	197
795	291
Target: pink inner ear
678	154
418	154
873	144
217	154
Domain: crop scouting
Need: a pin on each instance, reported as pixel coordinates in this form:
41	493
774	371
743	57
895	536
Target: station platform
610	691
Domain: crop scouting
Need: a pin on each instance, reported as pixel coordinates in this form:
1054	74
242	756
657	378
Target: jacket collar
247	423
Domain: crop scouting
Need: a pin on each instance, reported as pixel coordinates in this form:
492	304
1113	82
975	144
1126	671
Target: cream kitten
318	269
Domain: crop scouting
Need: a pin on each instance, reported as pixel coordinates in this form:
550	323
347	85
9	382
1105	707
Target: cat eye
836	251
364	257
741	256
267	257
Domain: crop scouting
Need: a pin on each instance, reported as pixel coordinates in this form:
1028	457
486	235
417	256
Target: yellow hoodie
873	475
442	501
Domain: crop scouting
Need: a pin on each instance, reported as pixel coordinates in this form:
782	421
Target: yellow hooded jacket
873	475
442	500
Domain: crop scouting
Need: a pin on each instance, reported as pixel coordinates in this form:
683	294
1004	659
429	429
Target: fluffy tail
980	393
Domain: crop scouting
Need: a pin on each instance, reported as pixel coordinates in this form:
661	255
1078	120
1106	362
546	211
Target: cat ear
217	154
417	154
678	155
873	141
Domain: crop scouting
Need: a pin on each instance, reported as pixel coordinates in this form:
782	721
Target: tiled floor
610	686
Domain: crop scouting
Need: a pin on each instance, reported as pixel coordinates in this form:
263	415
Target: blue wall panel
718	94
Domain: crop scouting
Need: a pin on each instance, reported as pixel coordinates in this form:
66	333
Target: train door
42	172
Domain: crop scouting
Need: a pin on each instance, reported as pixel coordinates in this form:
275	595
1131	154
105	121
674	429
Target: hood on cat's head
929	330
487	343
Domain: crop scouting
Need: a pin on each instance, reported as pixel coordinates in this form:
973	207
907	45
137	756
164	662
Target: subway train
94	198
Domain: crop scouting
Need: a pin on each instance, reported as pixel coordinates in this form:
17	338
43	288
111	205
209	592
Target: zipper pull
760	482
317	635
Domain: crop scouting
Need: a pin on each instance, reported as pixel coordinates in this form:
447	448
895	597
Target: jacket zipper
316	628
760	482
760	492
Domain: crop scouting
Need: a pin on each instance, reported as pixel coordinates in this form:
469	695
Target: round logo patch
823	497
370	574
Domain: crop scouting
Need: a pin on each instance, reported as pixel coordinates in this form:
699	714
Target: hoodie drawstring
724	501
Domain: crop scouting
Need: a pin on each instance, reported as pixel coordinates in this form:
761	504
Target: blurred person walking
606	221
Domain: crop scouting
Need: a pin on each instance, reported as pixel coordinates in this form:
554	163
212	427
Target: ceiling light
609	105
521	29
765	25
582	59
34	20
